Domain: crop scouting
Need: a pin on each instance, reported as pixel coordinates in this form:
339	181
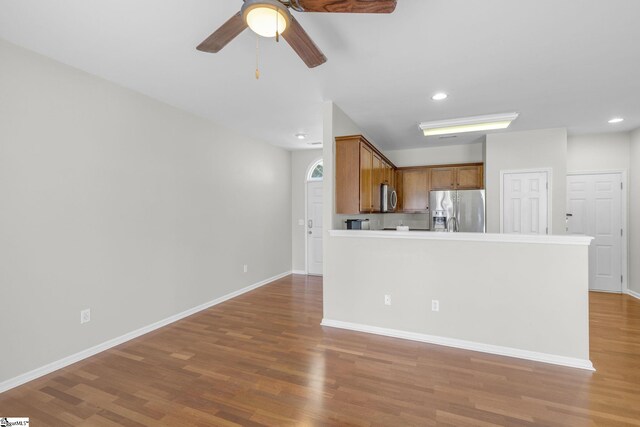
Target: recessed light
301	135
616	120
439	96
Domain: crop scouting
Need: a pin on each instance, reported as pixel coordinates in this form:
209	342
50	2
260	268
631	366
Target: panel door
443	178
469	177
415	190
366	164
594	208
524	203
314	227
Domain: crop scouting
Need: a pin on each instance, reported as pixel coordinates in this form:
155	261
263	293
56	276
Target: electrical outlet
245	268
435	305
85	316
387	300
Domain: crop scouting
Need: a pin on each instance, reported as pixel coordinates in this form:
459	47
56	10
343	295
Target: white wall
116	202
634	207
545	148
463	153
301	160
598	152
490	293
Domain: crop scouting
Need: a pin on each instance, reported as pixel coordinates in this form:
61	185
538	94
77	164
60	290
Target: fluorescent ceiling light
468	124
439	96
301	135
616	120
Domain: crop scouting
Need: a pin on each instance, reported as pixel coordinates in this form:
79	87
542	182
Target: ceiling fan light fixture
266	17
468	124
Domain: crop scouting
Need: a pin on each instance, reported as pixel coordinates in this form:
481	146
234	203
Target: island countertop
517	295
468	237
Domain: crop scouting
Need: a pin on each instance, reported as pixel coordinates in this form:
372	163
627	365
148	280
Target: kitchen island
515	295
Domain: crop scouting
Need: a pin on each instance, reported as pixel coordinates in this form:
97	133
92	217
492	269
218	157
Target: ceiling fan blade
300	41
345	6
223	35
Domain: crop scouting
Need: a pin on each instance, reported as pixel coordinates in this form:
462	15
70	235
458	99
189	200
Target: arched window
315	172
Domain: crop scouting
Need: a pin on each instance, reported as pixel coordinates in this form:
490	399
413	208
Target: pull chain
277	33
257	50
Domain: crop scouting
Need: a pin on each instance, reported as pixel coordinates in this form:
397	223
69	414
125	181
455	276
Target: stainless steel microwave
388	198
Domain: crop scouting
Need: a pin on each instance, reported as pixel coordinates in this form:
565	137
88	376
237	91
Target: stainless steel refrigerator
457	210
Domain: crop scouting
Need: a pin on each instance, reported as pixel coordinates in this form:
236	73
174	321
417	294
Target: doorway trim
307	180
625	219
549	172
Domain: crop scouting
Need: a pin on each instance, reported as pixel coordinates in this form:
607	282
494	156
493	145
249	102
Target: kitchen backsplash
375	220
388	220
420	221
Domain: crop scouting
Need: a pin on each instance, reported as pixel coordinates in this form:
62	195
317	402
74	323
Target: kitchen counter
410	229
468	237
523	296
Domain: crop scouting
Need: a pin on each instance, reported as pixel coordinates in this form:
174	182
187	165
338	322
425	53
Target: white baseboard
59	364
466	345
299	272
633	293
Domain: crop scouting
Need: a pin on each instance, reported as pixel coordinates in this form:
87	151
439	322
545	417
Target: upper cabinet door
377	179
388	174
366	166
443	178
415	190
469	177
347	172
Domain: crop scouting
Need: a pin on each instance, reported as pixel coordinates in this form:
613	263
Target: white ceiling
569	63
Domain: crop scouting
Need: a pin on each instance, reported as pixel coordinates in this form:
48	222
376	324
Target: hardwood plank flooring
263	359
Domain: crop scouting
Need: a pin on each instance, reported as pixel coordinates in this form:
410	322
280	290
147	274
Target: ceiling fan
272	18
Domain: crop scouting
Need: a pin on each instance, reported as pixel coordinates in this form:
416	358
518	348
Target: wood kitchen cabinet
443	178
377	178
457	177
414	189
360	169
470	177
366	169
389	175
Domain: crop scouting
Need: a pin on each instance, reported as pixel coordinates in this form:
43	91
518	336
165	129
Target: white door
314	227
525	202
594	208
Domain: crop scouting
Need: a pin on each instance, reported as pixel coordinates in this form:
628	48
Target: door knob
310	223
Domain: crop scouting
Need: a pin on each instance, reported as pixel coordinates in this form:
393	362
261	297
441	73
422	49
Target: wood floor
263	359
